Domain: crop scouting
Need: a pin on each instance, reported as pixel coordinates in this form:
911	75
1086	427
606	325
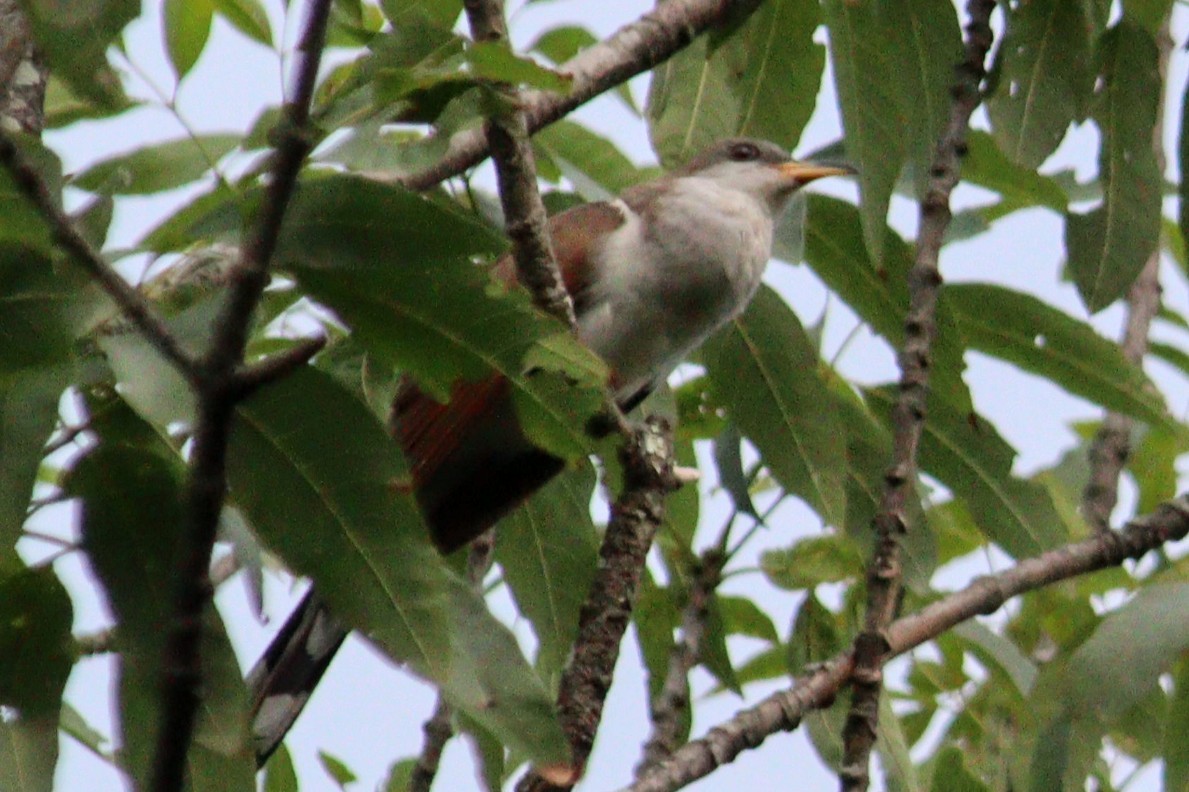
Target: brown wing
470	462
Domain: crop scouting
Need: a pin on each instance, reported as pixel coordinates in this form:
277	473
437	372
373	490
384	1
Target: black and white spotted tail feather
284	678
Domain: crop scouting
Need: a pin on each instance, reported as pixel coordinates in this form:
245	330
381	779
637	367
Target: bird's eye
744	152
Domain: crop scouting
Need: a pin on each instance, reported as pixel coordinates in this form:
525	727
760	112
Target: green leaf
74	40
656	617
36	648
1183	163
366	548
763	368
866	46
279	775
395	267
728	458
714	655
1045	341
813	561
987	166
1176	731
1124	658
28	411
187	26
248	17
130	486
492	60
20	222
28	754
965	453
893	750
1044	79
739	85
594	165
1153	465
337	769
742	616
950	773
548	550
815	636
992	648
158	167
1109	246
834	247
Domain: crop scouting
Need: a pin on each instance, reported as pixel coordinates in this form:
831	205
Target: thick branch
783	711
884	582
1112	444
632	50
219	386
635	517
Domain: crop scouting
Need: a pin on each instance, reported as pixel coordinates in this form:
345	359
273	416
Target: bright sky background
367	715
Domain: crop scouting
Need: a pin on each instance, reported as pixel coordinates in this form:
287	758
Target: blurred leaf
441	12
996	650
813	561
1149	13
395	267
279	775
1044	340
162	166
1109	246
337	769
548	550
364	544
72	723
1051	756
36	647
131	488
728	457
74	38
965	453
739	85
248	17
187	26
1133	646
491	60
594	165
1176	730
656	617
28	411
763	666
950	773
742	616
28	754
400	773
762	367
815	636
714	656
1044	79
94	219
20	222
1153	464
893	750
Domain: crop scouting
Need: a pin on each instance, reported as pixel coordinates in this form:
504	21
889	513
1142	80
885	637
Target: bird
652	273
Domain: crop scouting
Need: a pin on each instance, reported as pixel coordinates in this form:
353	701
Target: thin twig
631	50
1111	446
255	376
438	732
635	517
783	711
668	708
884	583
219	385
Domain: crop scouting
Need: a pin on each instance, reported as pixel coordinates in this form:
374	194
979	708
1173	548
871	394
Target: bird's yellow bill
805	172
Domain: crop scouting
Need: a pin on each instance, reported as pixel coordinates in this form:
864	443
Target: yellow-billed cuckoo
653	274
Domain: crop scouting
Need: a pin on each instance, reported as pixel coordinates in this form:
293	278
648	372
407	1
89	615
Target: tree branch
667	709
219	385
635	517
783	711
631	50
1111	446
884	584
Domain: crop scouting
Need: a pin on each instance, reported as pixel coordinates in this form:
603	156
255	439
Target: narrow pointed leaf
764	369
162	166
548	550
1109	246
1045	341
964	452
187	26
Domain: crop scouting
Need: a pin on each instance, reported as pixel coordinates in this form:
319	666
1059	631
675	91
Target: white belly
661	297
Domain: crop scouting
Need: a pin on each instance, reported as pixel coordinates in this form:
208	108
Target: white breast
665	287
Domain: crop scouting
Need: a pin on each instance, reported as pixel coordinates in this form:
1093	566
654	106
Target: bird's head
758	168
